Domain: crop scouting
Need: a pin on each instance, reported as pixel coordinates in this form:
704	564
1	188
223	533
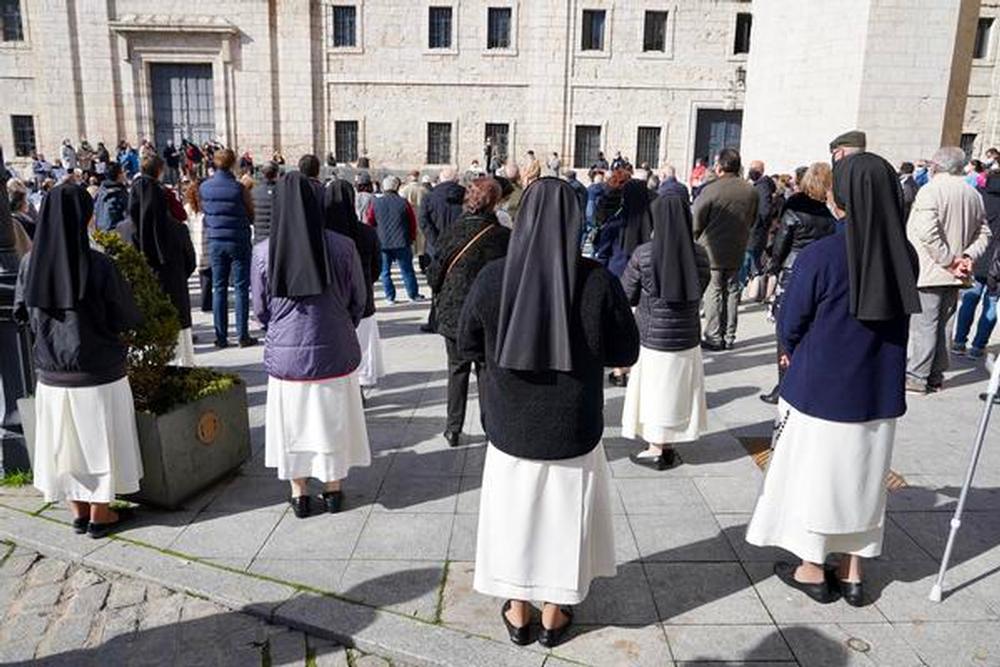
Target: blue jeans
405	258
229	256
968	302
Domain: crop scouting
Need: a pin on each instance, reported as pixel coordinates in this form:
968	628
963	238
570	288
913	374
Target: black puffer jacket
803	221
665	326
264	196
451	287
439	209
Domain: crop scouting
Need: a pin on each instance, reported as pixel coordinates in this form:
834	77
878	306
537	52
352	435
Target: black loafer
822	592
552	638
249	341
712	346
334	500
772	398
853	592
453	438
667	459
519	635
80	525
221	344
101	530
301	506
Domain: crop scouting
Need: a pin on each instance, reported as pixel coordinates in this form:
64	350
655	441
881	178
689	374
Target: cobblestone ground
56	613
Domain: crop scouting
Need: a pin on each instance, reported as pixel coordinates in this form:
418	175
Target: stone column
297	84
897	70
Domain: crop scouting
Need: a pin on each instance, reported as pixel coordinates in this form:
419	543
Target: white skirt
665	397
545	527
372	367
315	429
184	354
825	488
86	442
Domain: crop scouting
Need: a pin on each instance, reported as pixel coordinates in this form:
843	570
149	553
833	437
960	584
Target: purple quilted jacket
312	338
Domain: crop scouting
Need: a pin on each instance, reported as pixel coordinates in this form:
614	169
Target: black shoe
983	396
852	592
822	593
426	328
519	635
249	341
334	500
712	346
552	638
302	506
100	530
221	344
666	459
80	525
772	398
453	438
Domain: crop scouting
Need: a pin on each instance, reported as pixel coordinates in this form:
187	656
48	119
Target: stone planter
185	450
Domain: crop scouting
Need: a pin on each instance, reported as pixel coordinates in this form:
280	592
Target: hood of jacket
803	203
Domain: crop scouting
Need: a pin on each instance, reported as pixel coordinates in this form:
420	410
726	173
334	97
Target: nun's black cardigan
550	415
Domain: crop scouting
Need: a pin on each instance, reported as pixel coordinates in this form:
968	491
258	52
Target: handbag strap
465	248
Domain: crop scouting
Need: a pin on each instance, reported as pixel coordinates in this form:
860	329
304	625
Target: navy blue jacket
226	217
842	369
671	187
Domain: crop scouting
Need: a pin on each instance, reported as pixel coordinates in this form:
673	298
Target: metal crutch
977	449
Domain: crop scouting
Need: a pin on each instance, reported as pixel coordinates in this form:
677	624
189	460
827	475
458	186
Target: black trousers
458	387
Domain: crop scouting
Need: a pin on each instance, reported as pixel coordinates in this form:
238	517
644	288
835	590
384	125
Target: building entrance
716	129
183	103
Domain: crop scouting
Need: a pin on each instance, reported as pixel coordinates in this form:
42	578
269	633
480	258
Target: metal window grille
24	135
345	137
345	25
438	143
967	143
499	136
984	29
655	32
439	32
10	17
744	22
648	148
593	30
498	20
587	145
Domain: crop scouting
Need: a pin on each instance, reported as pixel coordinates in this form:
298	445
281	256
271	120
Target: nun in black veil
308	293
844	322
542	324
78	304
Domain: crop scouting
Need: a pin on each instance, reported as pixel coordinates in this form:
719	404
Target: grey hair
669	171
448	173
949	159
390	184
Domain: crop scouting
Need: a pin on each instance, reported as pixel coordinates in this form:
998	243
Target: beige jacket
947	221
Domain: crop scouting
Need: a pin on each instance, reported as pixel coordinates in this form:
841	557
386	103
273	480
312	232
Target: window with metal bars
10	17
345	137
654	33
967	143
587	145
439	28
592	34
438	143
499	136
984	30
648	147
498	20
744	23
23	128
344	31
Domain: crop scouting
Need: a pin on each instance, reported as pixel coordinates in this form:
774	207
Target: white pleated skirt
184	354
825	488
372	365
315	429
545	527
86	442
665	397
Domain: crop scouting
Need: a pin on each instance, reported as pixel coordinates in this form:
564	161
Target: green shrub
156	386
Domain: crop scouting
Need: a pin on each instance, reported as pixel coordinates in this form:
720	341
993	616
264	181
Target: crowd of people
541	284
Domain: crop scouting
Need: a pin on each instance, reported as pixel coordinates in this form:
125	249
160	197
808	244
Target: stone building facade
417	82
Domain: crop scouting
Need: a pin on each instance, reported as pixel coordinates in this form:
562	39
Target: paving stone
162	612
849	644
614	645
82	578
789	606
323	575
952	644
371	661
287	648
659	496
22	633
47	571
464	608
320	537
120	623
463	538
157	528
705	594
17	565
689	534
435	461
326	653
728	494
626	549
726	643
248	494
900	594
225	535
623	599
42	597
470	491
405	536
68	633
125	593
408	587
423	494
